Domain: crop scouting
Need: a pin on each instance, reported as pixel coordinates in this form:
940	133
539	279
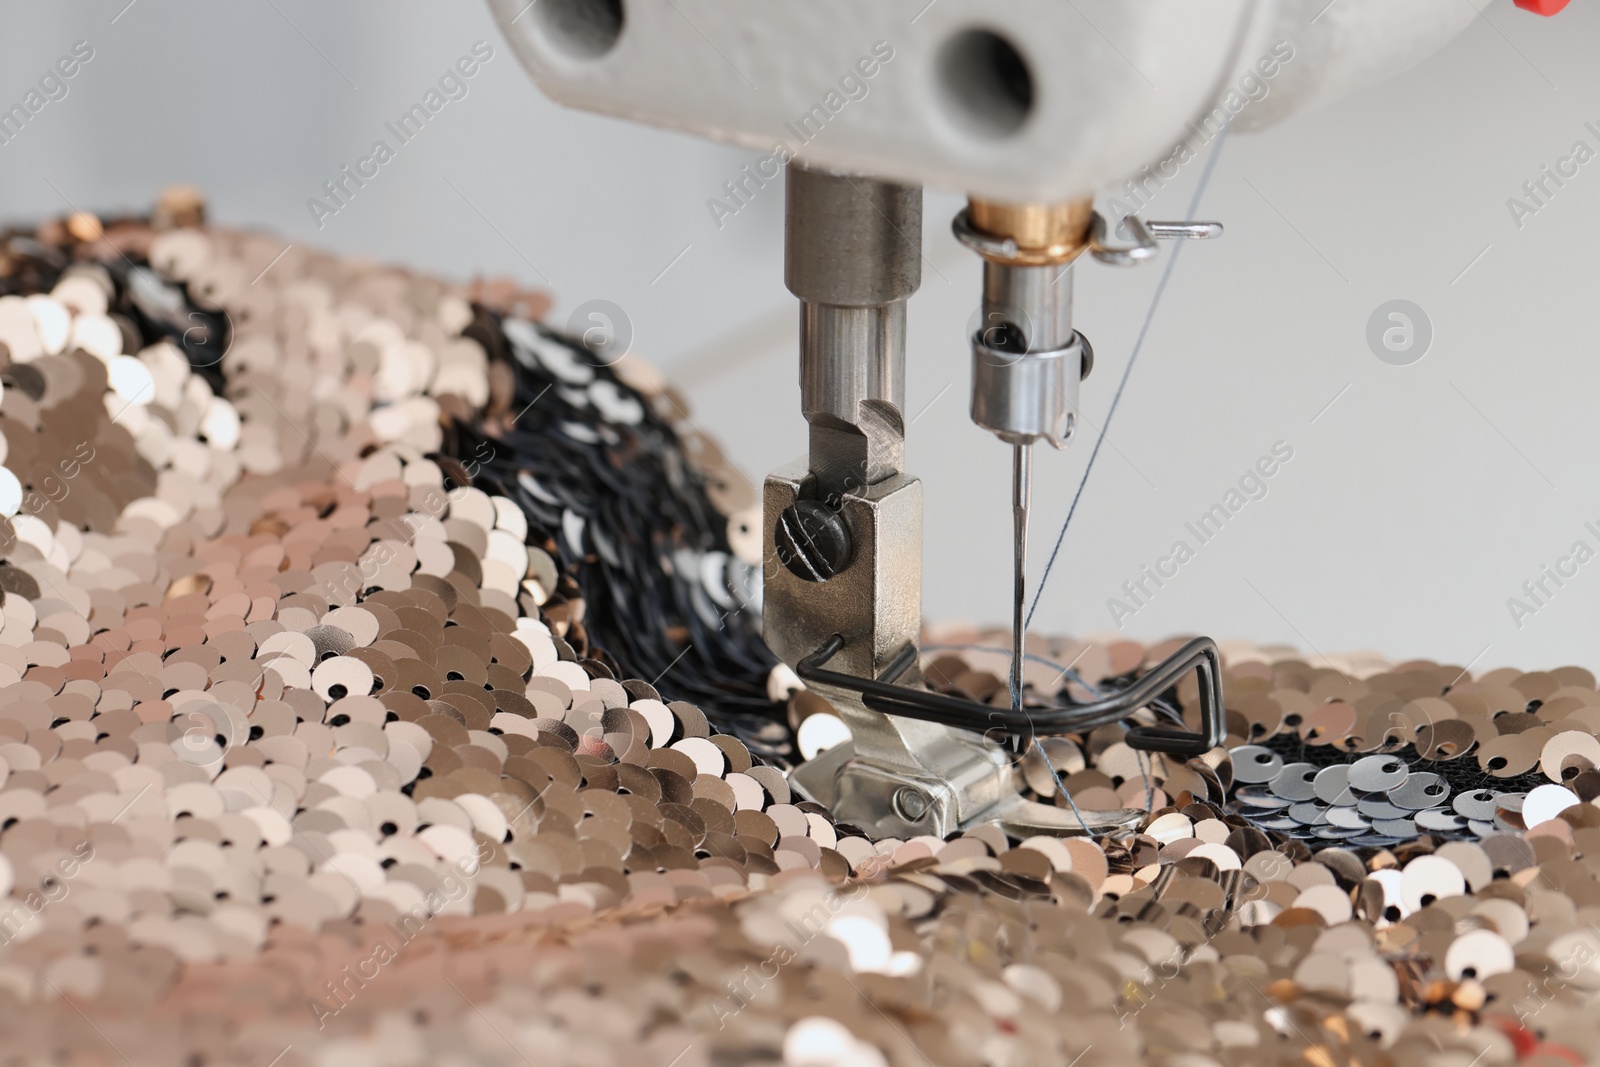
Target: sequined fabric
324	589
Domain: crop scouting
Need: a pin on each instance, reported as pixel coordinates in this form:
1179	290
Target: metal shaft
1026	357
853	257
1021	490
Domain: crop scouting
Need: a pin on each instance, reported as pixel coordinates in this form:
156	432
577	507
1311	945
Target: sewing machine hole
583	29
985	83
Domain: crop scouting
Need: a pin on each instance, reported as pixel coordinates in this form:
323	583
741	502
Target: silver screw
910	803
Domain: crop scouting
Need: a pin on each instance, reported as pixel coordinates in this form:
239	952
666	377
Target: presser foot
959	783
916	763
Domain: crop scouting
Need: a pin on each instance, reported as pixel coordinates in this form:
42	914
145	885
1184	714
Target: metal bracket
900	776
1145	234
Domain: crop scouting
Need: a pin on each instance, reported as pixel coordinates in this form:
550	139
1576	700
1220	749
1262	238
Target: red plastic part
1542	7
1523	1040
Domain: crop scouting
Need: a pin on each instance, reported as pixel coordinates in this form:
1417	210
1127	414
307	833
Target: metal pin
1021	477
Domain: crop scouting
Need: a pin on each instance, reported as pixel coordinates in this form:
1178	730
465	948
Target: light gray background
1414	507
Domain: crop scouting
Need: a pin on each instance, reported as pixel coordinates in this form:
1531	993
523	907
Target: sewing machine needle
1021	478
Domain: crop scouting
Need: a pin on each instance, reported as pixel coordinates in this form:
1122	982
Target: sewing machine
1030	107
